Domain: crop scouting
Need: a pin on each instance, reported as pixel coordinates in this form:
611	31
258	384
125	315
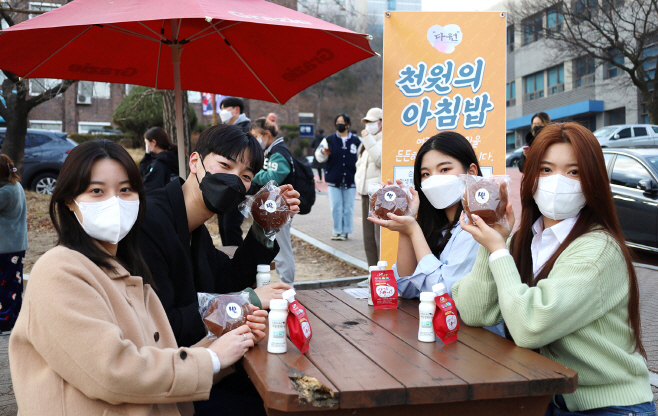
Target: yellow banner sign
443	71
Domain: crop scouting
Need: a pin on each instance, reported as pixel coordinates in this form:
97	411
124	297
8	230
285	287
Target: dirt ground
311	263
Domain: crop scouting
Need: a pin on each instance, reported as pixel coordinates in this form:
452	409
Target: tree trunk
17	110
169	119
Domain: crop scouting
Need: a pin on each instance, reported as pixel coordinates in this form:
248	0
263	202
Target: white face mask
263	143
109	220
372	128
225	116
559	197
442	190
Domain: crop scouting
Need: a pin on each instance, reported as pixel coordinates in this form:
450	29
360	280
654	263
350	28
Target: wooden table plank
487	378
361	382
271	374
545	376
425	380
518	406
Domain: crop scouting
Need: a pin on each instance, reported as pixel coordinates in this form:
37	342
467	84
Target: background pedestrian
314	145
537	122
160	163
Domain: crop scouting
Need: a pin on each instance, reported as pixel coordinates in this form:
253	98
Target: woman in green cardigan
566	284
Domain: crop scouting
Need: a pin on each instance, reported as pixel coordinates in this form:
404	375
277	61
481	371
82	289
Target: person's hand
364	133
272	291
404	224
326	151
291	196
256	322
231	346
492	238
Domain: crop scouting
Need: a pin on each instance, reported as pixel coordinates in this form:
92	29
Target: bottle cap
278	304
382	263
289	295
263	268
373	268
427	296
439	288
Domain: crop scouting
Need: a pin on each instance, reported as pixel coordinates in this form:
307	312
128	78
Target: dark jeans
11	288
233	395
559	408
230	227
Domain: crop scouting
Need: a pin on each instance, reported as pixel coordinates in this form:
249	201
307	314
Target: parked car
512	158
106	132
45	152
633	175
628	135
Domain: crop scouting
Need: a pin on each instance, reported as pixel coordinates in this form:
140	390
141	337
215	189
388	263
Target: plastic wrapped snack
268	208
388	198
486	198
223	313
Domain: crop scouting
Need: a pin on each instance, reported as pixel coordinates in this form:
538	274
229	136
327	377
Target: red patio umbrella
247	48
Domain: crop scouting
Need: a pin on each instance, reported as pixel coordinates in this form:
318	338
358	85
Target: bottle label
426	321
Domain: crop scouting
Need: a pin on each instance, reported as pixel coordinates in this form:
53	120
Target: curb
351	260
321	284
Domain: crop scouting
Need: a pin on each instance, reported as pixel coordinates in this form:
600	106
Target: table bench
372	363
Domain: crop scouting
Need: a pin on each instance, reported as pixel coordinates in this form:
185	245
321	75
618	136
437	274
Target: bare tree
621	34
17	99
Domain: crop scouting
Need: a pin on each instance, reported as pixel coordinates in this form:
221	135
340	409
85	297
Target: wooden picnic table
373	364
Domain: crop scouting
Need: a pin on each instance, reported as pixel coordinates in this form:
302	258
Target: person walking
339	151
159	166
278	168
314	145
369	170
537	122
13	228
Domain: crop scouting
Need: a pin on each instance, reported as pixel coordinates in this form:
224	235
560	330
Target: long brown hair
598	214
8	170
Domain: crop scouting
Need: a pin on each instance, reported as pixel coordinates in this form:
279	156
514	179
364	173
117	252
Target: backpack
301	178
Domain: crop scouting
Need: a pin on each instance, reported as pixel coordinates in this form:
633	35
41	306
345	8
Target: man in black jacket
177	245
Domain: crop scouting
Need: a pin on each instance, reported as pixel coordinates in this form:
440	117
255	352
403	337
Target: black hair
545	118
263	123
230	141
321	131
233	102
161	138
431	220
72	181
348	122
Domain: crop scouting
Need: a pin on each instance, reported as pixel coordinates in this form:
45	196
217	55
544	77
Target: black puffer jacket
158	170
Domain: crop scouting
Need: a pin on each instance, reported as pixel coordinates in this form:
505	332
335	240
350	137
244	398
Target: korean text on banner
443	71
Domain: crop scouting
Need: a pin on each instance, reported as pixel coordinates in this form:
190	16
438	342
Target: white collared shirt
546	241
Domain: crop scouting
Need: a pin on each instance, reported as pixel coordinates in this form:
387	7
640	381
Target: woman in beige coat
93	338
369	170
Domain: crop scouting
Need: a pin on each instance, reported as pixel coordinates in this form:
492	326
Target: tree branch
49	94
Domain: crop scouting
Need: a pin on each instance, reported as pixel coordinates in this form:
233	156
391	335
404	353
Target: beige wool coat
88	342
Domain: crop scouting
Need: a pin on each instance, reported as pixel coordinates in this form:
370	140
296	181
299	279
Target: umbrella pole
180	132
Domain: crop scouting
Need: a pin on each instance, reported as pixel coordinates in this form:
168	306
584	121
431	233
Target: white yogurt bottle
263	276
370	270
276	341
426	310
382	264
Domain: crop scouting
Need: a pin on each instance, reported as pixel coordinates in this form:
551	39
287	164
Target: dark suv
45	152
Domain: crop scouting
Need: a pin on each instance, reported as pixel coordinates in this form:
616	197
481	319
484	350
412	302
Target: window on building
609	5
94	89
534	86
391	5
644	114
41	6
628	172
556	79
85	126
510	141
650	58
532	28
510	38
52	125
511	94
611	70
584	71
554	19
584	9
194	97
39	85
129	87
616	116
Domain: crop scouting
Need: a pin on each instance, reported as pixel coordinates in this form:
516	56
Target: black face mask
536	130
341	127
221	191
